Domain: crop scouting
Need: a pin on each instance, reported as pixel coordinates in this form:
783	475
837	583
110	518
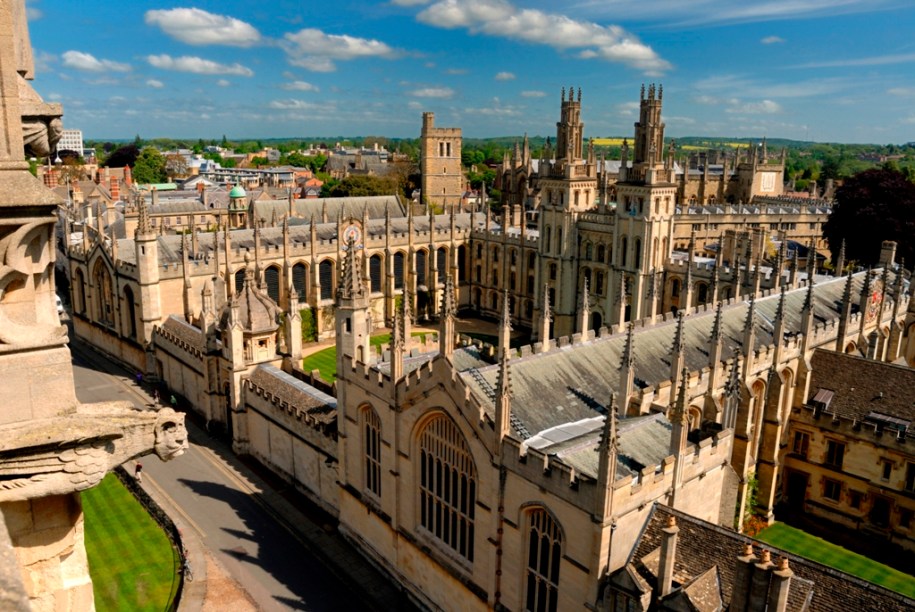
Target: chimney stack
759	585
668	556
740	590
778	589
115	189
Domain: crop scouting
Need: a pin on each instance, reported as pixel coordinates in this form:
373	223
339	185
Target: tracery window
371	448
544	552
447	485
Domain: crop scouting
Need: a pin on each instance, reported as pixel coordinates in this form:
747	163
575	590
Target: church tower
646	201
146	243
352	308
568	187
440	164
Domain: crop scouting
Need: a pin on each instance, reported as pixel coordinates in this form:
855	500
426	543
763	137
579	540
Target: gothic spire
678	334
351	285
505	324
840	262
609	440
628	348
144	228
780	309
716	324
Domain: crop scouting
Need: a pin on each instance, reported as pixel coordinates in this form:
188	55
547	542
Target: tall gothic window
371	447
272	280
420	267
300	281
441	263
544	551
398	270
326	278
375	273
447	485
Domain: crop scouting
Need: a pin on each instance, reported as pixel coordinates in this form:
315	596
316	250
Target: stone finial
449	304
351	284
716	324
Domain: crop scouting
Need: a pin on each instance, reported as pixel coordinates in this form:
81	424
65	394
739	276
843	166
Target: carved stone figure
72	453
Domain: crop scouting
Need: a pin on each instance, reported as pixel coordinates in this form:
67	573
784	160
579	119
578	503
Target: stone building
658	377
440	164
849	457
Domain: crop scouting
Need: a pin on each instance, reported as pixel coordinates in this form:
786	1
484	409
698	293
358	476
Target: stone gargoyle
73	452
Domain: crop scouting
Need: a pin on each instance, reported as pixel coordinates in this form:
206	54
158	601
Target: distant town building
71	140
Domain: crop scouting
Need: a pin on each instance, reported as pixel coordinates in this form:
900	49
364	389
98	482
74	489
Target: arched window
420	267
398	270
371	448
326	278
130	314
375	273
239	279
104	293
600	253
441	263
532	260
300	281
624	244
495	254
675	288
79	293
462	263
272	279
702	293
637	247
547	240
544	552
447	485
513	257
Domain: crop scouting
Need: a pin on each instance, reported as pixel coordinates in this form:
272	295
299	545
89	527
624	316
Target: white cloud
223	83
155	83
533	93
414	105
501	18
409	2
292	104
85	61
43	60
878	60
763	107
902	92
32	12
197	27
315	50
196	65
457	71
505	76
299	86
433	92
772	40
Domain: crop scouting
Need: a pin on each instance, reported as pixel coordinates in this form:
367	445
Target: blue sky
825	70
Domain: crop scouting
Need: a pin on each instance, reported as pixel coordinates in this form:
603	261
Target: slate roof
299	234
702	545
184	331
861	386
316	404
574	383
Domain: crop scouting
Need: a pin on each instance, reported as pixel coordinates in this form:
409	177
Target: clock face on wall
352	233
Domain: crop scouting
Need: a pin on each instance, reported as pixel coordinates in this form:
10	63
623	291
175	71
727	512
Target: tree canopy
873	206
360	185
150	167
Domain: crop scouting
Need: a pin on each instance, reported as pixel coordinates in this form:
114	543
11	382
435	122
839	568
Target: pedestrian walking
138	472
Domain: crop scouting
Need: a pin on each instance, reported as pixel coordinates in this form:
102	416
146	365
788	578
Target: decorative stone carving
71	453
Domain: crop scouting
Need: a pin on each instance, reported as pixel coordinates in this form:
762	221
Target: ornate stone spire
545	318
505	323
627	369
584	312
716	324
351	284
840	261
449	311
144	228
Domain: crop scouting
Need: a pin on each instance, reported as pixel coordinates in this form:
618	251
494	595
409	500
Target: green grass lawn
131	561
326	361
816	549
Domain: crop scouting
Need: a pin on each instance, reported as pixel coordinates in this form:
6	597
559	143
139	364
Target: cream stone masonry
52	447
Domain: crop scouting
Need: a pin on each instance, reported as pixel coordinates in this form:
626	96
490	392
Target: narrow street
263	541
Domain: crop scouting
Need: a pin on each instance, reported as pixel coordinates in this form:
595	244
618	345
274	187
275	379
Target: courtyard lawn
325	361
131	561
819	550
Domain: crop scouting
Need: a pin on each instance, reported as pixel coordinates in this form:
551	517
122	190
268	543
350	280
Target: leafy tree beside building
873	206
150	167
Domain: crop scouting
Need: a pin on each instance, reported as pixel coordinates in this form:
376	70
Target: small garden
816	549
132	562
325	361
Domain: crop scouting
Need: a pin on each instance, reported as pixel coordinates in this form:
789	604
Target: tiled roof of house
702	545
862	386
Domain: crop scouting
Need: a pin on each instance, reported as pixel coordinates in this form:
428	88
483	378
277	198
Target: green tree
364	186
150	167
873	206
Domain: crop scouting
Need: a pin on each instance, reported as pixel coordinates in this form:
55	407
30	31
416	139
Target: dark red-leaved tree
873	206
